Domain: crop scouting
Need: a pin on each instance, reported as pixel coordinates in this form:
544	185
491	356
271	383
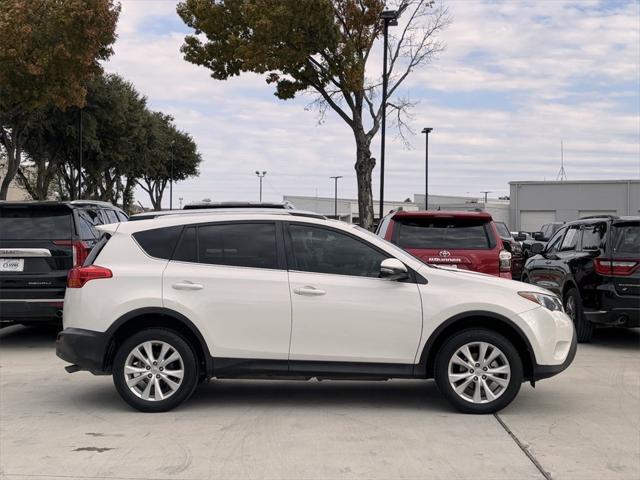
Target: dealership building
533	204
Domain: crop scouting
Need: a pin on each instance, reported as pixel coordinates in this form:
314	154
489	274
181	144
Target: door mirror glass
520	237
393	269
537	248
538	236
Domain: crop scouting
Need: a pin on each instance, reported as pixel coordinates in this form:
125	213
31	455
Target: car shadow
619	338
19	336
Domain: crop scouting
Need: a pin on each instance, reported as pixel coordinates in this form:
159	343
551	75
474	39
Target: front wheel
478	371
155	370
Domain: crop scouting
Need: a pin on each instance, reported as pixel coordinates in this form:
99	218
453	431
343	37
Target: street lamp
389	17
261	176
426	131
171	177
335	198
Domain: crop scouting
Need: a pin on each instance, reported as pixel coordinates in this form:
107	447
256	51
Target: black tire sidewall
478	335
189	381
584	328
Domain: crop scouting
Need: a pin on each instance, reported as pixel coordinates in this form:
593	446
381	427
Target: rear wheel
478	371
155	370
573	307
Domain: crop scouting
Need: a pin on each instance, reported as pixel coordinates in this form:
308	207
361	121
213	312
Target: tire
573	307
525	279
504	384
160	392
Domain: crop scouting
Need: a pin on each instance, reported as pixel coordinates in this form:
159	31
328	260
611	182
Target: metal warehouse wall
534	202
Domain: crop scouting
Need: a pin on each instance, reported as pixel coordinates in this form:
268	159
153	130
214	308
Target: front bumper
85	348
545	371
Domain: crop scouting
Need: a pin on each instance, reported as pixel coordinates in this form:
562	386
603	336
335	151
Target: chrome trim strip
24	252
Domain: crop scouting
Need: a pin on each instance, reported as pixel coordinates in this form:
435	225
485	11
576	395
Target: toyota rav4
163	304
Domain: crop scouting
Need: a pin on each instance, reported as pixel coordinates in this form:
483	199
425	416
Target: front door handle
309	291
187	285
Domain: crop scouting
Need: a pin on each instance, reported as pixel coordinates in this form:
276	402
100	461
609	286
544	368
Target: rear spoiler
110	228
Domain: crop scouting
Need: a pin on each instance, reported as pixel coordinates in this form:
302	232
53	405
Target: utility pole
562	174
261	176
426	131
171	178
335	197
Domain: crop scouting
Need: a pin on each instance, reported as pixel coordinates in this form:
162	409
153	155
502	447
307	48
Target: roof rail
613	217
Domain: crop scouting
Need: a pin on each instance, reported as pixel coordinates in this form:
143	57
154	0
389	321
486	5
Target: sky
515	79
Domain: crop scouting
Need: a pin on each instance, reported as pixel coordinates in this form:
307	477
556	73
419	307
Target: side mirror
393	269
537	248
519	237
537	236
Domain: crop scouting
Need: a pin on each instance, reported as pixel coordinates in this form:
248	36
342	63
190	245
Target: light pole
389	17
171	177
335	195
426	131
486	192
261	176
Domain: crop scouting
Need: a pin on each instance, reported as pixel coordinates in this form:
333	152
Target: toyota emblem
445	253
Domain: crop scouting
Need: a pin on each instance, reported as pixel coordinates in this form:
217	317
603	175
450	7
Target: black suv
593	264
39	243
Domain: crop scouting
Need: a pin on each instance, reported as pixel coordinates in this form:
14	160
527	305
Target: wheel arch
149	317
481	319
568	285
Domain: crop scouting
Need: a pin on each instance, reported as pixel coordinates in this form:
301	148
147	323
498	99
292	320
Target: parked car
594	266
165	303
513	247
542	236
464	240
39	243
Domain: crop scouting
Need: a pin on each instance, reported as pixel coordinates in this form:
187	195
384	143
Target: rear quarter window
450	233
159	242
626	239
24	222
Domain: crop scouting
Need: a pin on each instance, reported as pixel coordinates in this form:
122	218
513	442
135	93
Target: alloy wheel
479	372
154	370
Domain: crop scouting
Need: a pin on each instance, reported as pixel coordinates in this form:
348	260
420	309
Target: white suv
163	304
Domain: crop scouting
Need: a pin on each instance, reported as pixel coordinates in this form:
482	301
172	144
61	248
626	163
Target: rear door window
571	239
450	233
21	223
592	236
238	244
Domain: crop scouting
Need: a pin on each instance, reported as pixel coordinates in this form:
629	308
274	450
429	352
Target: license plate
11	264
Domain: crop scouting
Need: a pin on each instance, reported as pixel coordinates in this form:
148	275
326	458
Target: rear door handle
309	291
187	285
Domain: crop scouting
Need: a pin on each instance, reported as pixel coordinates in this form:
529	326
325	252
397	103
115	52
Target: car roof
205	205
443	214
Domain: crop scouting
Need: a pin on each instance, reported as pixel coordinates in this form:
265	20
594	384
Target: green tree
320	46
48	50
172	153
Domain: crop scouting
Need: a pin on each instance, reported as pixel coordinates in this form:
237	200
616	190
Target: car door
341	310
229	279
560	268
540	267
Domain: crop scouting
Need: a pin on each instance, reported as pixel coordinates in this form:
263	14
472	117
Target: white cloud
559	64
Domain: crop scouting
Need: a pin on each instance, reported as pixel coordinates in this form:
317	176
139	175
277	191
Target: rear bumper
613	309
31	311
85	348
541	372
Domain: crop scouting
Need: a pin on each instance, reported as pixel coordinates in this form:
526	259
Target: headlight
550	302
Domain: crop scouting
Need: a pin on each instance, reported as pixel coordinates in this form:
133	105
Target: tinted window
503	231
554	243
592	236
238	244
35	223
186	249
87	221
443	233
571	239
159	242
323	250
626	239
111	215
121	216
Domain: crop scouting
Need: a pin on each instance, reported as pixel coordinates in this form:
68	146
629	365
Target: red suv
466	240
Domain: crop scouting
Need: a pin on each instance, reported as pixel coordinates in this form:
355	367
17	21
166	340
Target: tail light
80	275
505	261
618	268
80	250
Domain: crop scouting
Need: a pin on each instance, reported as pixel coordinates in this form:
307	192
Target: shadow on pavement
41	336
619	338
